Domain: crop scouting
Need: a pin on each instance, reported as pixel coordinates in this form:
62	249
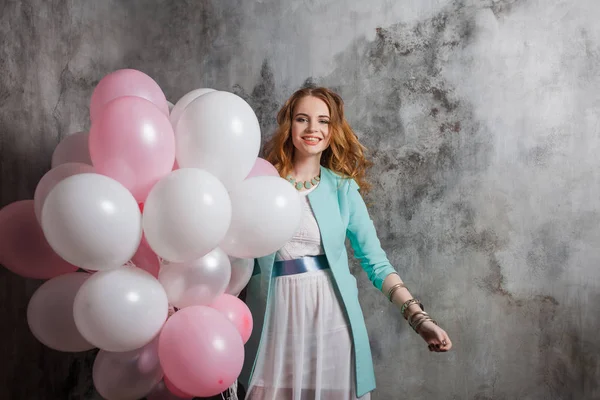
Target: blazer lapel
324	203
266	270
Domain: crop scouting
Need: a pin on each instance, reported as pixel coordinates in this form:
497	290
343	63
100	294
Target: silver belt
300	265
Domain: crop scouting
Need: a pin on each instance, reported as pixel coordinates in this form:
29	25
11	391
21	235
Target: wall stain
309	83
549	253
262	101
546	149
441	96
504	7
453	127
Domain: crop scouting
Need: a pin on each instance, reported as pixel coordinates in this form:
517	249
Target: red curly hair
345	155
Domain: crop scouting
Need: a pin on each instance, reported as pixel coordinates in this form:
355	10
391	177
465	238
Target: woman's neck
306	168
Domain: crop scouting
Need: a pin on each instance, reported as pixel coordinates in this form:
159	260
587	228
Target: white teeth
311	139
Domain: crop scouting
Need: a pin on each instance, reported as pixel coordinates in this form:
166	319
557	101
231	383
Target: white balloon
184	102
266	212
186	215
198	282
51	178
50	313
120	309
171	105
128	375
218	132
72	148
241	272
92	221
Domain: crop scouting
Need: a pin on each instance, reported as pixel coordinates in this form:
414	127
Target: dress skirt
307	349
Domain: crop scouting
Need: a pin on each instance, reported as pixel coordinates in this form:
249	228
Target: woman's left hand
437	339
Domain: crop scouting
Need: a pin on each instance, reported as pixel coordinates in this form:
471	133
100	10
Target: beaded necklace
299	185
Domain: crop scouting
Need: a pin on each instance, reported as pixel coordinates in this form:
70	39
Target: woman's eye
324	121
301	119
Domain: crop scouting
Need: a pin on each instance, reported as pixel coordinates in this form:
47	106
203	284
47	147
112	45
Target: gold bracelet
412	320
420	321
409	303
416	317
393	290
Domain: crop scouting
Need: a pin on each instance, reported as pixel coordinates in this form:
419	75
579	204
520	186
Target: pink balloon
146	259
262	168
51	178
72	148
180	394
200	351
133	143
236	312
126	82
23	247
162	392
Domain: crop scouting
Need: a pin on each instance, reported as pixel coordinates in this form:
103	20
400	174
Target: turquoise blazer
340	212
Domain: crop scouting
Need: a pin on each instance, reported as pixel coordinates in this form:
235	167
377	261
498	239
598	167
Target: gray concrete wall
482	118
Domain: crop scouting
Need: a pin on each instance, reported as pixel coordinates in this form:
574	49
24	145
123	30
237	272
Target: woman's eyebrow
306	115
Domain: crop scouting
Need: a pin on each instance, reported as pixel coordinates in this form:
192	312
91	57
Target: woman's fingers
441	343
445	342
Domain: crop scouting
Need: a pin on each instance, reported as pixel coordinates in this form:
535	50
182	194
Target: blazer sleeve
363	238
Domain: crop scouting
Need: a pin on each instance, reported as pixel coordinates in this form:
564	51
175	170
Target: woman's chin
310	151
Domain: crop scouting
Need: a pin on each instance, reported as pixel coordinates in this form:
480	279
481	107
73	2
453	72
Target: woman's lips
311	141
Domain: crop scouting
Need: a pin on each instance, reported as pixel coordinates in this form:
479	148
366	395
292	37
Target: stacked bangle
407	304
393	290
417	318
422	317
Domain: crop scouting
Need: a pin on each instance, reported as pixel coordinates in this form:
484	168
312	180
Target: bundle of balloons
145	230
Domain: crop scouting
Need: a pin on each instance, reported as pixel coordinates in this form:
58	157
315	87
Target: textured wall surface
482	119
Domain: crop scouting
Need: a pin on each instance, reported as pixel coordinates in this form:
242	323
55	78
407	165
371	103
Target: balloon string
231	392
129	263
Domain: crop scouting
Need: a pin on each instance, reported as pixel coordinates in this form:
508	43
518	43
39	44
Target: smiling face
310	126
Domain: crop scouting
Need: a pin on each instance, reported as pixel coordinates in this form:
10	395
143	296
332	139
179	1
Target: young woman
313	343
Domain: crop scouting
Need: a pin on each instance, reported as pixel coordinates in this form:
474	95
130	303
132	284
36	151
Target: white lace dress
307	352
